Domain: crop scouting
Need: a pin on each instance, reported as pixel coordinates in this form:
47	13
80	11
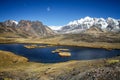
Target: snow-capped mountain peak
55	27
14	21
10	23
112	21
88	18
76	22
87	22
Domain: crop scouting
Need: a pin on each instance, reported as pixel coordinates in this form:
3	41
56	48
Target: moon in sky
48	9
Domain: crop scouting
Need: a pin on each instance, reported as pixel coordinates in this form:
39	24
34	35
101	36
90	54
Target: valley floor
99	40
59	41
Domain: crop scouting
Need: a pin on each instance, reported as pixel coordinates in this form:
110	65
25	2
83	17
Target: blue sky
57	12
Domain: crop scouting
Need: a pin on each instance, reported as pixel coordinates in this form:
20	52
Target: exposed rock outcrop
25	28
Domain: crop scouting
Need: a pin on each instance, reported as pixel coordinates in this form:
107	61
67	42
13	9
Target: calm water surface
45	55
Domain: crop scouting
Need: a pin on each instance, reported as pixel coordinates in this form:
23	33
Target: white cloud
48	9
55	27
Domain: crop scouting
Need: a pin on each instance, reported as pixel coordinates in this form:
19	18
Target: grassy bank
9	58
70	42
53	41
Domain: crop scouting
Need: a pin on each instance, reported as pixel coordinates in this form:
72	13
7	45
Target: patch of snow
55	27
15	21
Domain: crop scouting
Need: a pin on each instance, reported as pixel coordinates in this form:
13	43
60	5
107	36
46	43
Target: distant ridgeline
84	24
35	29
24	28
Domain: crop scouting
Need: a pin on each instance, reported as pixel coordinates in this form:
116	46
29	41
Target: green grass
112	61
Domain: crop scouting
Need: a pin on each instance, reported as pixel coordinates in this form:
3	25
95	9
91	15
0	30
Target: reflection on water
45	55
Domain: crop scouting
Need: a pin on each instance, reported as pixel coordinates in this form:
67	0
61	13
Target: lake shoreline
102	45
51	53
73	68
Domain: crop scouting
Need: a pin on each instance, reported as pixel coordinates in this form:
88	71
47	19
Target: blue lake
45	55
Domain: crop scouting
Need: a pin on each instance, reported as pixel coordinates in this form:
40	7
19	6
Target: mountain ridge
81	25
25	28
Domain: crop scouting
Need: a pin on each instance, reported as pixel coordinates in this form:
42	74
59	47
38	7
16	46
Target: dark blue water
45	55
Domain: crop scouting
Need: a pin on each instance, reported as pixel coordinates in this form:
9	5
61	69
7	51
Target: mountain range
83	24
27	28
24	28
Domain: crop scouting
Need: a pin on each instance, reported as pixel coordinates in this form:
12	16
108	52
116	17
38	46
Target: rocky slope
24	28
81	25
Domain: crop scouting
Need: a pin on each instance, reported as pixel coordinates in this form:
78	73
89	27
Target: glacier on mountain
76	26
